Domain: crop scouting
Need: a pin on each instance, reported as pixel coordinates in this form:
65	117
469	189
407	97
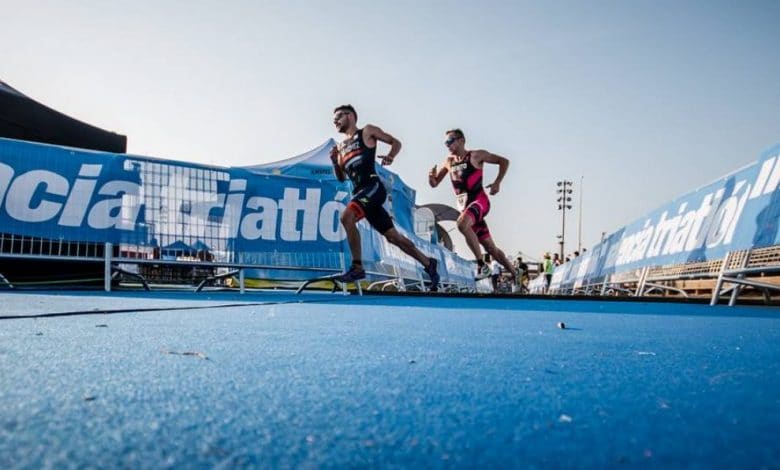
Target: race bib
462	199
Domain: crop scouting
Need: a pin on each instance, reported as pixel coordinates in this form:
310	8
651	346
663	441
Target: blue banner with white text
738	211
164	209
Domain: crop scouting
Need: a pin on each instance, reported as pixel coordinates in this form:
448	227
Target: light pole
564	199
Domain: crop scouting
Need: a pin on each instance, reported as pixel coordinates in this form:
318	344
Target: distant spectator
522	272
495	273
556	260
547	267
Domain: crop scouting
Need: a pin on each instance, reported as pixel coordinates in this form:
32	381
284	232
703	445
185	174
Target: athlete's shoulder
369	132
370	129
479	156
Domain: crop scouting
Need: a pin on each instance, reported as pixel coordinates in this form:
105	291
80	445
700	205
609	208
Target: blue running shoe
353	274
433	274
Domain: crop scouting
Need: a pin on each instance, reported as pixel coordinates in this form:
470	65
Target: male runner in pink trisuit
465	168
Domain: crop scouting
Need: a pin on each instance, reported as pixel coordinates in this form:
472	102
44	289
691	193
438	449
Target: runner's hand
334	155
387	160
494	187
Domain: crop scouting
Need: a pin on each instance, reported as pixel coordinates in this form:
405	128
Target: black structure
23	118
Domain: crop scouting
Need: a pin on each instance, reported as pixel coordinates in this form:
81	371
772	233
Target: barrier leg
640	288
719	282
343	261
5	281
399	280
735	293
604	285
716	290
108	249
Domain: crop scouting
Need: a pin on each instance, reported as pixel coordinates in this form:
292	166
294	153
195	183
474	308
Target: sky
636	102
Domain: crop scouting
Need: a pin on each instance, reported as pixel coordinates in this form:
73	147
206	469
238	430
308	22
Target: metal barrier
728	276
147	220
144	265
655	277
16	249
621	283
148	266
737	268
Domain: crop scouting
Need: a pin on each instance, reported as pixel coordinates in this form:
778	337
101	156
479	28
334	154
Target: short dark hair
346	107
458	133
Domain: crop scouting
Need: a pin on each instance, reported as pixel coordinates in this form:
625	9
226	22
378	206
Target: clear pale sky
641	101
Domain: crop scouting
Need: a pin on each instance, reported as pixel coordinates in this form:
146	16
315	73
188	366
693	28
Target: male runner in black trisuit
355	157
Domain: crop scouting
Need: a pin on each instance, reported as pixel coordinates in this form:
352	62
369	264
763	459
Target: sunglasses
338	116
449	141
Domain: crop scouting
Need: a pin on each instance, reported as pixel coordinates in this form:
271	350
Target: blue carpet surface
274	380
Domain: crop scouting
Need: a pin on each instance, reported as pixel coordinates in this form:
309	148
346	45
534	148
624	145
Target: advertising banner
173	209
738	211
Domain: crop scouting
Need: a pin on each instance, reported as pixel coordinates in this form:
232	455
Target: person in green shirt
547	268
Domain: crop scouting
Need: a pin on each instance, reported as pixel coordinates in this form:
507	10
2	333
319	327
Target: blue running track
273	380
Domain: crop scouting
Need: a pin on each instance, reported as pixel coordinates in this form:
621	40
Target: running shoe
483	272
353	274
433	274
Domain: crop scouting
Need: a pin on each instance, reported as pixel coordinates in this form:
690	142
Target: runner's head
454	140
344	117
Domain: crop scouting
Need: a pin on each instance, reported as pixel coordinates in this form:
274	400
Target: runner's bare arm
483	157
437	174
334	158
371	132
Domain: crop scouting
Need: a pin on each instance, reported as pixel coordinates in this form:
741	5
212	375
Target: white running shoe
483	272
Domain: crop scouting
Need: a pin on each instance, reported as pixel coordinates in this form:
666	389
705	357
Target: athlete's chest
350	144
351	149
461	168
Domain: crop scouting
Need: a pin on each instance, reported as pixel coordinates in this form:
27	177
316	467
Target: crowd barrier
162	221
725	233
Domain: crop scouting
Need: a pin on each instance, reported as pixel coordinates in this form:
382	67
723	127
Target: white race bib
462	199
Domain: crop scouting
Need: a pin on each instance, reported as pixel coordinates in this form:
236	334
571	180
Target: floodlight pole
564	199
563	230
